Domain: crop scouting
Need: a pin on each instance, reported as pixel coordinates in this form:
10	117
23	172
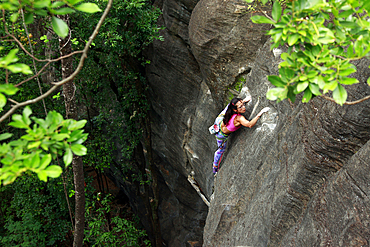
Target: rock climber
228	121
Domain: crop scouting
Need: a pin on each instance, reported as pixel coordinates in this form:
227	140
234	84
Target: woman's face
240	107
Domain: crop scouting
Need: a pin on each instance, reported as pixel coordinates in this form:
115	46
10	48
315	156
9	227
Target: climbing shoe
215	169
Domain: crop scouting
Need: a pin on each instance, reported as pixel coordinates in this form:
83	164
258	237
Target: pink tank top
230	125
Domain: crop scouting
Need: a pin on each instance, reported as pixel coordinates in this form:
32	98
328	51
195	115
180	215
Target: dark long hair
231	110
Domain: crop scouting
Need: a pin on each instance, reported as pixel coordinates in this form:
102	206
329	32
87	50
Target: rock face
186	96
294	179
297	178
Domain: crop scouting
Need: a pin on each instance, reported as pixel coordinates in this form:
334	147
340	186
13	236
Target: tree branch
347	102
37	59
73	75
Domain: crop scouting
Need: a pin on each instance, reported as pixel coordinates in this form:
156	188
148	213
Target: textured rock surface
184	106
224	42
287	182
298	176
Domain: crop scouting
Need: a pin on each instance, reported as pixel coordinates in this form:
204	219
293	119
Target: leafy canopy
43	141
47	8
324	37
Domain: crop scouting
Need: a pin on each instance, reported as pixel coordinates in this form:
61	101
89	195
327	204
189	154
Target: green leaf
14	17
53	171
5	136
302	33
60	137
286	74
348	81
276	81
2	100
73	2
79	149
261	19
26	115
264	1
312	74
60	27
367	6
276	10
57	4
68	156
340	34
20	68
41	4
359	45
35	161
350	51
74	125
42	175
28	18
326	39
291	94
301	86
18	143
9	6
63	11
307	96
347	72
18	122
368	81
330	86
346	13
34	145
340	95
314	89
9	89
41	12
75	135
88	8
349	24
11	57
45	161
303	77
292	39
277	93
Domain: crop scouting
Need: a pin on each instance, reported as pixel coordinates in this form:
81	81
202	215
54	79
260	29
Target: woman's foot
215	169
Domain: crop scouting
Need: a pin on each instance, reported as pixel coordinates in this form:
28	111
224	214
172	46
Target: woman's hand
266	109
247	99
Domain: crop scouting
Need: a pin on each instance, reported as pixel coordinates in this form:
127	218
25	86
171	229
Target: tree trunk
69	91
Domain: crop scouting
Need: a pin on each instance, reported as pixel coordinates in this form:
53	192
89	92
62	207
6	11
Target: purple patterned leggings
221	144
221	141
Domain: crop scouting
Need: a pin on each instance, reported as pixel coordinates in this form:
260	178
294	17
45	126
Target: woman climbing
228	121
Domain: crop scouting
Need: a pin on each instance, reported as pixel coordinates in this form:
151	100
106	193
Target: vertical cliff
204	51
298	176
294	179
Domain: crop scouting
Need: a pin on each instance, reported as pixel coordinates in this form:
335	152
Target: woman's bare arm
243	121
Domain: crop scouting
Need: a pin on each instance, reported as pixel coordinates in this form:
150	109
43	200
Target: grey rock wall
298	178
287	181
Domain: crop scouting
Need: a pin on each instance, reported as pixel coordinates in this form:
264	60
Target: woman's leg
221	144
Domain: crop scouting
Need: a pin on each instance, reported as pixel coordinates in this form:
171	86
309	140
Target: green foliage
34	213
111	79
324	37
40	8
237	87
8	62
47	7
99	232
45	139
